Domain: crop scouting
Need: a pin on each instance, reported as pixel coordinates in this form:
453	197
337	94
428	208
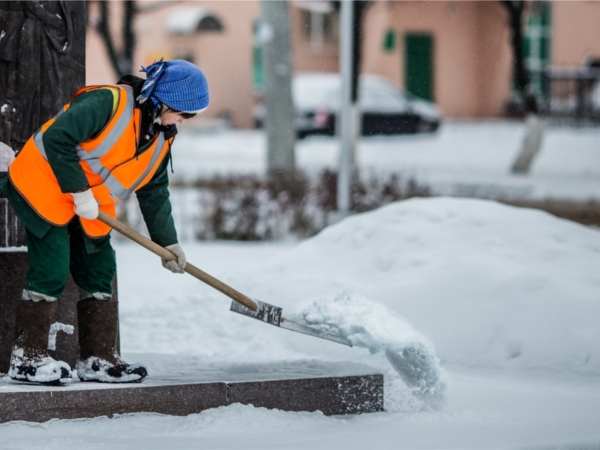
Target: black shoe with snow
102	371
29	360
99	356
44	370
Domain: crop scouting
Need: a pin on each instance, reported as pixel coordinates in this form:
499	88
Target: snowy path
508	298
484	411
463	158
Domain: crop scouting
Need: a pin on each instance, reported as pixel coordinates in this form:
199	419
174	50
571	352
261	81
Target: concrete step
304	385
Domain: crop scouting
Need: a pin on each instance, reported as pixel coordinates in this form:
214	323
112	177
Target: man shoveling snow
107	143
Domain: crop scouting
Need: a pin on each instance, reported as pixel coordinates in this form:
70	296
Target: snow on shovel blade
272	314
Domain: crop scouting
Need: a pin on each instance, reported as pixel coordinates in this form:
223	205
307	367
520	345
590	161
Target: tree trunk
535	125
532	142
120	59
280	126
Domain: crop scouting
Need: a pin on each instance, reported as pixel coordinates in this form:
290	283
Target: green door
536	44
418	65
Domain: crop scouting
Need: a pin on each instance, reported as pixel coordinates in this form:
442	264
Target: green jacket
86	117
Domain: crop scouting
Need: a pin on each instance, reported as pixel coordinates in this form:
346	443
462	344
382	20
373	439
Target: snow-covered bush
256	208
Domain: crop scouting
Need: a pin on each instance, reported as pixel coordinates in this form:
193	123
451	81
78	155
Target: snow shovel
241	304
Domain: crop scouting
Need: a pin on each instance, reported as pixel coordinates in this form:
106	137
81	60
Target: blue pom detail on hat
178	84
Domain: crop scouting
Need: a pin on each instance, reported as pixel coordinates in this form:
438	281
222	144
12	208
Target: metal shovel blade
272	314
264	312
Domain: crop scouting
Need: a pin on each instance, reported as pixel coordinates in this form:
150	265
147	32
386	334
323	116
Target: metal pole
281	135
345	114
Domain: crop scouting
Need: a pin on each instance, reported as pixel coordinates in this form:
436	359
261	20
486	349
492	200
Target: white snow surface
461	159
523	284
508	297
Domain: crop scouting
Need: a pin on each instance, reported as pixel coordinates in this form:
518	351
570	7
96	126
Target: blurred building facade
454	53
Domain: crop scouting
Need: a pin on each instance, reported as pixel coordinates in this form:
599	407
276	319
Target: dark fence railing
572	96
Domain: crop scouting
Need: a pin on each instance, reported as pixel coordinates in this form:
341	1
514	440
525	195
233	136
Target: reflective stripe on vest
39	135
109	142
117	190
92	158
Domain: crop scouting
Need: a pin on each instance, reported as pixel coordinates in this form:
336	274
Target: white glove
86	205
175	266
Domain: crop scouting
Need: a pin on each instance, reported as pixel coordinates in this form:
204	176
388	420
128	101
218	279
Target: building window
320	27
536	44
190	20
389	41
209	23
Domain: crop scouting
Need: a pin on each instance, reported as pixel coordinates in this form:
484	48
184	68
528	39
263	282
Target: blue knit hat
178	84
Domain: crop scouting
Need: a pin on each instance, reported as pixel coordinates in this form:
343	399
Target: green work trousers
63	249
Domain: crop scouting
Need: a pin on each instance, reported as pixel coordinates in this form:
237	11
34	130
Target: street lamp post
348	114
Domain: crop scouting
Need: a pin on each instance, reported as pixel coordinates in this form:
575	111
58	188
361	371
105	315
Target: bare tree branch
103	29
128	36
120	59
516	11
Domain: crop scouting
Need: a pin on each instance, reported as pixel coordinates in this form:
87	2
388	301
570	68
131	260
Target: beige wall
306	56
225	58
472	55
471	61
493	61
575	32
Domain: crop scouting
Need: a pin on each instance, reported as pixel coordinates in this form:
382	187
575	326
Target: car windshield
377	98
316	91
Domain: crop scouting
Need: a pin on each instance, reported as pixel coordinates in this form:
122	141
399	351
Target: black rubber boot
99	360
30	360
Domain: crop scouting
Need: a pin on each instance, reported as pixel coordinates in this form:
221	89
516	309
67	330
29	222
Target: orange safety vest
108	160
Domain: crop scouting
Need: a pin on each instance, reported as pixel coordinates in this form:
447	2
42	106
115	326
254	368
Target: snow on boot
103	371
30	361
98	329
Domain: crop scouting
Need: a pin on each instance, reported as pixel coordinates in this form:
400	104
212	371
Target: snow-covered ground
506	298
504	302
462	158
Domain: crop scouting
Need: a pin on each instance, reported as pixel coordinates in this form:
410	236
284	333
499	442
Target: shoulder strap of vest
112	133
97	86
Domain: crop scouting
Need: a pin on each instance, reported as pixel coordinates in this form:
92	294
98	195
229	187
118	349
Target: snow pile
373	326
492	286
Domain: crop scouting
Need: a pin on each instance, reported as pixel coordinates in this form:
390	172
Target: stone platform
181	387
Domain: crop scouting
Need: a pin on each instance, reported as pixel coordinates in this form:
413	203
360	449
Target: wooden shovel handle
168	255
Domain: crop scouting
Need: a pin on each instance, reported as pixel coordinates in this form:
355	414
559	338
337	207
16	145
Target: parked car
384	109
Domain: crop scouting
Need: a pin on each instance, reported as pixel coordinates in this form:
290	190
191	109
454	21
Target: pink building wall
575	32
472	55
225	58
471	60
306	56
